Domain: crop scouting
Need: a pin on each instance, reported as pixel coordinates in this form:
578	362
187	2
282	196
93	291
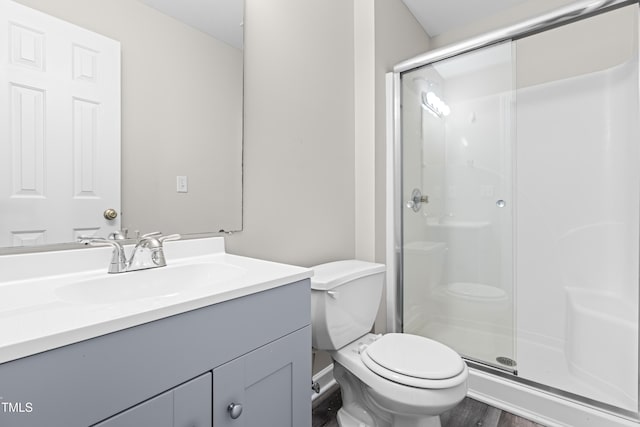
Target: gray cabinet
188	405
180	371
257	389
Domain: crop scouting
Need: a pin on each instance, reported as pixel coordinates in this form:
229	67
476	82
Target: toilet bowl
392	380
405	380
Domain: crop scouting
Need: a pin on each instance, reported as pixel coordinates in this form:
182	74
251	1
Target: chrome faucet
148	252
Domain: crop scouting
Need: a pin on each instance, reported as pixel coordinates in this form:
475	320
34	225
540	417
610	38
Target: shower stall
515	170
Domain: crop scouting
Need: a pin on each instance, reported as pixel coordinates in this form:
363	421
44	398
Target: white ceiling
439	16
221	19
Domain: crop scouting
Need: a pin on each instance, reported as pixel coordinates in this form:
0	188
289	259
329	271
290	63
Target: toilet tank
345	296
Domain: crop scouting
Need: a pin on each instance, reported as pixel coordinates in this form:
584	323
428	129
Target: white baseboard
326	381
539	406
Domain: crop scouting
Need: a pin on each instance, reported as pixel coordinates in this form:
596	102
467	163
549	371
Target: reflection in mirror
180	124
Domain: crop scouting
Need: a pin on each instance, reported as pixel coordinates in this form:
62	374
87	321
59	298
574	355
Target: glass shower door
457	131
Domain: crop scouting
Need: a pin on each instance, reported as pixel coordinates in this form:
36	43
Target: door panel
457	238
60	142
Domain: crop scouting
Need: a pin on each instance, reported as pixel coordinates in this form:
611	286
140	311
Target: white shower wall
577	234
577	208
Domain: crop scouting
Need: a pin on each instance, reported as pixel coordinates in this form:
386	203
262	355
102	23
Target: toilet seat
414	361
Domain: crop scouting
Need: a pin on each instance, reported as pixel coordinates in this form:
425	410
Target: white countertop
40	308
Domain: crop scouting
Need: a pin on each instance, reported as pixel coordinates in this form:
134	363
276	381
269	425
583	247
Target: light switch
182	184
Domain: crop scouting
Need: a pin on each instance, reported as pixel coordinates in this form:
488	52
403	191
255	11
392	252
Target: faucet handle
118	259
157	249
169	238
152	234
90	240
160	237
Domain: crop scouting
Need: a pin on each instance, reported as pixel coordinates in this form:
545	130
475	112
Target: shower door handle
417	199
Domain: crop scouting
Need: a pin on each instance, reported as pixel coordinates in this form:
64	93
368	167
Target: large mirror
180	129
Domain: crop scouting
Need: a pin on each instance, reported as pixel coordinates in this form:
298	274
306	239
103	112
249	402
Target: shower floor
542	363
548	365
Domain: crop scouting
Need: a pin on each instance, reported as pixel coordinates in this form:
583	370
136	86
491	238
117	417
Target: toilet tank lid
333	274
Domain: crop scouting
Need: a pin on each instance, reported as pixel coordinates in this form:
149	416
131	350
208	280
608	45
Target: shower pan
514	230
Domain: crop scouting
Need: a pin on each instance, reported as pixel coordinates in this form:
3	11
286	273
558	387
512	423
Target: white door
60	129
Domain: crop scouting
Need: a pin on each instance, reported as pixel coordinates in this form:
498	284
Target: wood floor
469	413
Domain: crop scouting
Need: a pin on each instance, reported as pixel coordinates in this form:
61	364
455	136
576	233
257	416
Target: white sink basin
156	283
63	297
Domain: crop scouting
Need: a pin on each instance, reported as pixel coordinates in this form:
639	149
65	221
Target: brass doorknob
110	214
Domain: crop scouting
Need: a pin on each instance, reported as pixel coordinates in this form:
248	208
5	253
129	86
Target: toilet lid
412	356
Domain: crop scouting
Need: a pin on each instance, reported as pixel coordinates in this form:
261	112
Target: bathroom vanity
232	352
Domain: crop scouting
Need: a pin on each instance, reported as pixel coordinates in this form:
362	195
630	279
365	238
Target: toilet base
345	419
400	421
360	410
353	413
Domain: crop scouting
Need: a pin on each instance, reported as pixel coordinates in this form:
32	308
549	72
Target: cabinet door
269	387
192	403
188	405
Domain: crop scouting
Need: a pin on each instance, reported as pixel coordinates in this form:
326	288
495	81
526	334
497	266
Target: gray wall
299	132
304	124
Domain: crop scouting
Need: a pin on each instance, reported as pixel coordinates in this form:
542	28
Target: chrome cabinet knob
235	410
110	214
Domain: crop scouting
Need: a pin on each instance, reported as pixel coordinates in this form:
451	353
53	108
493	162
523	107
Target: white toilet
392	380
